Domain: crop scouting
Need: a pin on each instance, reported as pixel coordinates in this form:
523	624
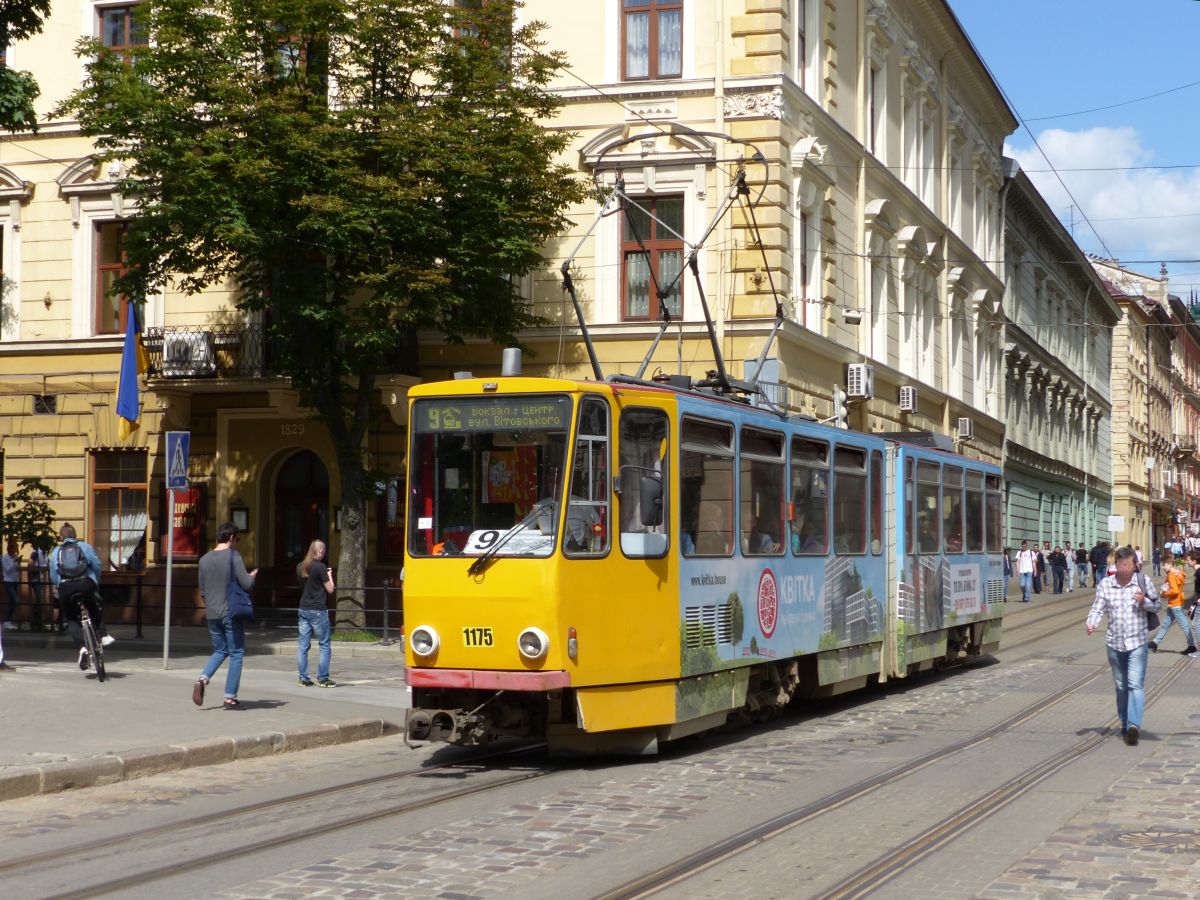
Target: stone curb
25	781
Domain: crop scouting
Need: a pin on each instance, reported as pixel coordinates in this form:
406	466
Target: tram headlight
533	643
424	640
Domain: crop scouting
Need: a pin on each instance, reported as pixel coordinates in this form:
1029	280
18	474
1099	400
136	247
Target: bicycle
91	641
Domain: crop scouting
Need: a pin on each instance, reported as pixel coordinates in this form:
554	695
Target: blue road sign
178	444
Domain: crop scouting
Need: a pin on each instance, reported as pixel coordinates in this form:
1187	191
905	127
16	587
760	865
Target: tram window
479	483
809	514
706	484
975	524
994	515
927	512
876	502
910	493
644	455
952	508
849	500
761	470
586	532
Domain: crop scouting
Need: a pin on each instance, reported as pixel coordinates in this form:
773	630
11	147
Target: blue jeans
1026	586
314	622
1175	614
229	642
1129	673
1083	570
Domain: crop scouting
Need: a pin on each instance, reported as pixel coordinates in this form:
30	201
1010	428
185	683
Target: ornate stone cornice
756	105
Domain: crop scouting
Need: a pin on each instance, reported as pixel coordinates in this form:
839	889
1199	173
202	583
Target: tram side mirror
650	490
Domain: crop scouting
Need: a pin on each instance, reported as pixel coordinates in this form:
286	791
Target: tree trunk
352	597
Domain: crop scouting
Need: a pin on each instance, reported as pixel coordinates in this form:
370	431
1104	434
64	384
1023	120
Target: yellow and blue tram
607	565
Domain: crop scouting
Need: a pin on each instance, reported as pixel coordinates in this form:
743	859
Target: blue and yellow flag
134	362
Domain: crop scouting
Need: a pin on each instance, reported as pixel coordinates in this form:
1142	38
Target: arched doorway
301	515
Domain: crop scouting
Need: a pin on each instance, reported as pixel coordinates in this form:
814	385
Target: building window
120	30
118	513
653	38
651	254
801	43
111	263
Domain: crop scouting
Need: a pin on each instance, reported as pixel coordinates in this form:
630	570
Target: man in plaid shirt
1125	600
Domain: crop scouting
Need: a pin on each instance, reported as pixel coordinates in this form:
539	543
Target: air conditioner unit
860	381
908	398
966	428
188	355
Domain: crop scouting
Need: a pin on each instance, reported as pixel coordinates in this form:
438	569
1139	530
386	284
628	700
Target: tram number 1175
477	637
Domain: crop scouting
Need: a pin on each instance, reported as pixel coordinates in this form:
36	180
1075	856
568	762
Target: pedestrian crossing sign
178	444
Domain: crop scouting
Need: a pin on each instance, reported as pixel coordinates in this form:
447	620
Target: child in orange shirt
1173	593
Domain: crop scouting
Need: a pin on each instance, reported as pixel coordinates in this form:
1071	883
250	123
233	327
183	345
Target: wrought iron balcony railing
241	351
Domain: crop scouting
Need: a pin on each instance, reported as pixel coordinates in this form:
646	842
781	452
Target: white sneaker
107	641
9	626
85	662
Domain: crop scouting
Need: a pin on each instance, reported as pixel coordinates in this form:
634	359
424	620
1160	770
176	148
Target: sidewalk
63	729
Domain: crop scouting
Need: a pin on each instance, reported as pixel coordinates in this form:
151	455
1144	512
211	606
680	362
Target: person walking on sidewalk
1173	593
1081	563
1058	565
1125	600
12	584
75	575
36	573
1026	564
1156	558
228	632
316	584
1069	561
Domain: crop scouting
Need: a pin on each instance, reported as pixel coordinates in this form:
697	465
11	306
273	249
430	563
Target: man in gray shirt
228	632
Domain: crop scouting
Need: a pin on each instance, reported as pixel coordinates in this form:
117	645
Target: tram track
882	870
225	820
714	854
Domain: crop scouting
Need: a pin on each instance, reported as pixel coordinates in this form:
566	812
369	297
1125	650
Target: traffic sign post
178	445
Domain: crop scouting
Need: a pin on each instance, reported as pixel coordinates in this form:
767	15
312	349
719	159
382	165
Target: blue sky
1061	56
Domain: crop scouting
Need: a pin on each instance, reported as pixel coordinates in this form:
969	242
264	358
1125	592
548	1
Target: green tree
19	19
28	516
356	167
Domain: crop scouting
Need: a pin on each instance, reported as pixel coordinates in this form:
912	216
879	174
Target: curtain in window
637	45
669	263
637	284
670	43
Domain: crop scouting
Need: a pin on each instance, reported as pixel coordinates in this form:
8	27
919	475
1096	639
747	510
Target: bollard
139	606
387	641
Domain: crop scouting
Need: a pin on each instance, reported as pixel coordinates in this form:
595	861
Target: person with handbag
1126	600
224	582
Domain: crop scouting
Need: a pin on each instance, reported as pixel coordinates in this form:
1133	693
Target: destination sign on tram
493	414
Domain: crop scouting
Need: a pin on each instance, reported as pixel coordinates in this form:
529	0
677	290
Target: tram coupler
453	726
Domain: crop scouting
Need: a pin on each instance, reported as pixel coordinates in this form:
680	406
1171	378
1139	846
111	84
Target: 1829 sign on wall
190	511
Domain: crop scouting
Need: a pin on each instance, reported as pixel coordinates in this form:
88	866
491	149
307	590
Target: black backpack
72	564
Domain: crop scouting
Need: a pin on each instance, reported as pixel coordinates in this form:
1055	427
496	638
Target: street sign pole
170	560
178	444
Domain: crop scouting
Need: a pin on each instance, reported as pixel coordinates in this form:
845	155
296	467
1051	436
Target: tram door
301	516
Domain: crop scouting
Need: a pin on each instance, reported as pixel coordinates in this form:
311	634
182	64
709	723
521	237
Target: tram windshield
486	475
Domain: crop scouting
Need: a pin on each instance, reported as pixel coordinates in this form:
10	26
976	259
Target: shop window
118	508
651	255
652	36
645	478
706	482
761	466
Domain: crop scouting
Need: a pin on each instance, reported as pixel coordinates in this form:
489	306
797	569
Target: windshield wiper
481	563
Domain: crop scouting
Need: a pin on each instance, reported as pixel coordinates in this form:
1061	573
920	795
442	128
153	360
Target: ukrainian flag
134	362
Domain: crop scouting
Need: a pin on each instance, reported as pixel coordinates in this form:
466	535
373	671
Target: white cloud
1146	214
